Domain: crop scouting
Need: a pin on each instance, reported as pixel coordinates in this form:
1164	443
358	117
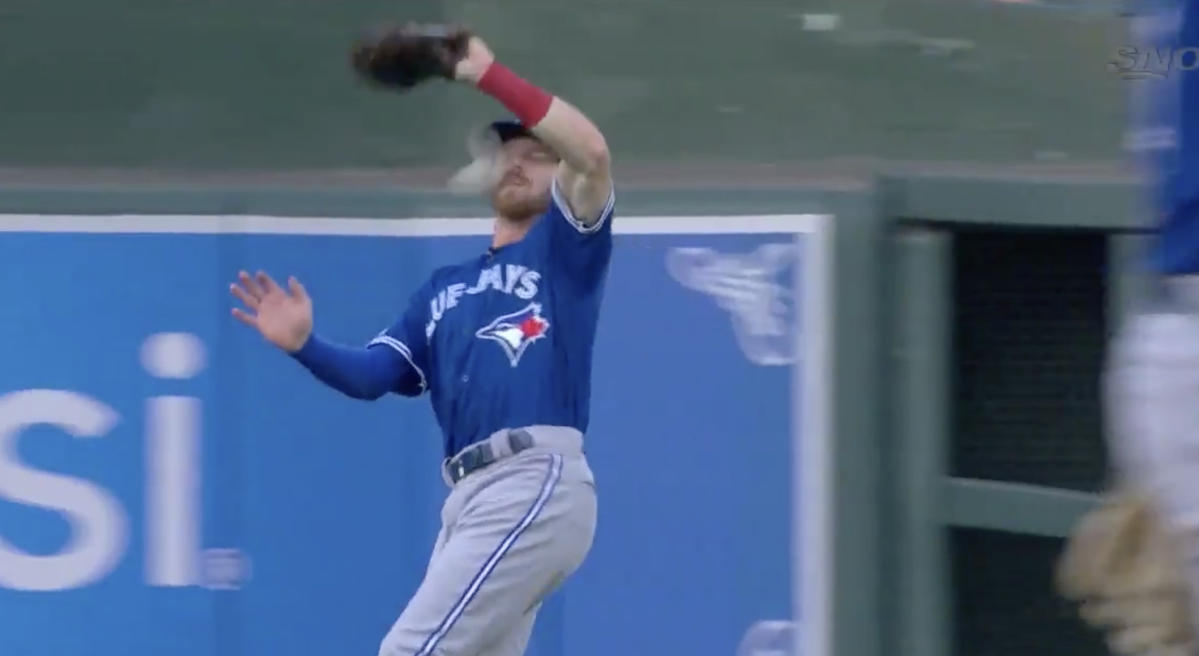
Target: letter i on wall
173	464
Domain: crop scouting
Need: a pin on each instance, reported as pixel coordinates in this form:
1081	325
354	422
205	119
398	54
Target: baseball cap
509	129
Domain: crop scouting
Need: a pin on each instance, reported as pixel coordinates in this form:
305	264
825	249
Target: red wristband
526	101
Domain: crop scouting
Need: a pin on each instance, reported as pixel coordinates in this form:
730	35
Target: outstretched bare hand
282	316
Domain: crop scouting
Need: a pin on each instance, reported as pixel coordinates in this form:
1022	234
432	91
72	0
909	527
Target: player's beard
516	200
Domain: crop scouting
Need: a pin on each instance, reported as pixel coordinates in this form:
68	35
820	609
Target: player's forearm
575	138
555	121
360	373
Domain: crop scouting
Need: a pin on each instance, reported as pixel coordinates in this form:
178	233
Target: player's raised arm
284	318
585	176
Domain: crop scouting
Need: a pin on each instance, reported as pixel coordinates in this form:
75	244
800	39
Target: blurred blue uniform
1164	135
1151	384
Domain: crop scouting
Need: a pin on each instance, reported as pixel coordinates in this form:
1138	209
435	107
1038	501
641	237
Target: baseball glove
1125	569
400	58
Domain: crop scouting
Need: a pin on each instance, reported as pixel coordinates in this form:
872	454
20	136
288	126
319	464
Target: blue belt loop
519	440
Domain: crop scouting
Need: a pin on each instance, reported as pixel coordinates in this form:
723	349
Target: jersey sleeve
583	250
407	337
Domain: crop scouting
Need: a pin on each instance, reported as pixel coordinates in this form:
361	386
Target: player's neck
508	231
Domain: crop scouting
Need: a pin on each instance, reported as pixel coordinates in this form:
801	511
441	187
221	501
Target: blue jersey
504	340
1165	132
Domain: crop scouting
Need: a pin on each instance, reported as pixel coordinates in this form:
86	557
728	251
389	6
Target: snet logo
99	526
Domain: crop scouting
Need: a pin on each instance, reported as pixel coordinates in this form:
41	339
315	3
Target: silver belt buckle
455	469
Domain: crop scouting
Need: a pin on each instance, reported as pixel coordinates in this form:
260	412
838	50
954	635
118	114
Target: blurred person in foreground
1133	563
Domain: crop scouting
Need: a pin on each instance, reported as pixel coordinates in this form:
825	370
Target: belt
478	456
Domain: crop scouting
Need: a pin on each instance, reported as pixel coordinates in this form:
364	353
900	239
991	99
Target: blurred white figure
754	290
769	638
1151	383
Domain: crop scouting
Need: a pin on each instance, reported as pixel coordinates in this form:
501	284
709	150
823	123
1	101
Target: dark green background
264	84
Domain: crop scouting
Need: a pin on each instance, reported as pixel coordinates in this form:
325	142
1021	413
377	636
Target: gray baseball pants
1151	389
511	533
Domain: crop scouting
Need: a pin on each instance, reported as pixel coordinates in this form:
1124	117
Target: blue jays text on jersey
1164	133
504	340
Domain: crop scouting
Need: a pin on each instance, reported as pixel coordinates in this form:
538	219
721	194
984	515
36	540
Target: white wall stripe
198	224
813	489
547	489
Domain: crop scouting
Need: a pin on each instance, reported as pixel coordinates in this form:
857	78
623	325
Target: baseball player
502	344
1134	563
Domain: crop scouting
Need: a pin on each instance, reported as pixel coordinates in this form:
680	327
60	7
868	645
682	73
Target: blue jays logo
514	332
